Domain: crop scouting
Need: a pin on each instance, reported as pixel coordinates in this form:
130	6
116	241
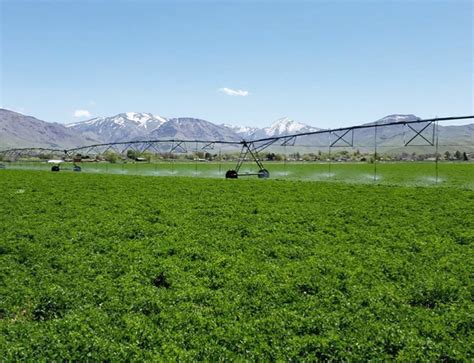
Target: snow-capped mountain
135	126
121	127
245	132
281	127
396	134
193	128
395	118
146	120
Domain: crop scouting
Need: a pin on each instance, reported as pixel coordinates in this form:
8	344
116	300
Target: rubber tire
231	174
55	168
263	174
76	168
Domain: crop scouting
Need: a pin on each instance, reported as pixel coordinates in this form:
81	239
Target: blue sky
327	64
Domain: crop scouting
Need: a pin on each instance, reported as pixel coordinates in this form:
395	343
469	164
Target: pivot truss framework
418	132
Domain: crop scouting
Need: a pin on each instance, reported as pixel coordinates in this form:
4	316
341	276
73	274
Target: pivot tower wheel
231	174
263	174
55	168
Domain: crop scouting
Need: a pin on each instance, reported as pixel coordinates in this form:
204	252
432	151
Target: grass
120	267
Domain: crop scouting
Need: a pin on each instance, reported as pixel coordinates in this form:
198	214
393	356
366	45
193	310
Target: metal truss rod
209	146
437	152
419	133
180	146
262	147
255	158
289	141
242	156
369	126
248	148
375	154
164	141
341	137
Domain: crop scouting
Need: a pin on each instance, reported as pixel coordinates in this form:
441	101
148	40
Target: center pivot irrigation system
424	130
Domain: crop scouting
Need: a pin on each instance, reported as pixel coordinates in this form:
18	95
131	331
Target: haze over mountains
17	130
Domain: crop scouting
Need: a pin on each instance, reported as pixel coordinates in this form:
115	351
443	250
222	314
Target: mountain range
138	126
122	127
18	130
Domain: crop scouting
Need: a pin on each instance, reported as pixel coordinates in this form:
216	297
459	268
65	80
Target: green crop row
119	267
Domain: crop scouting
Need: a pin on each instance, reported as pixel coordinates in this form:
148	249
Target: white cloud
234	92
82	113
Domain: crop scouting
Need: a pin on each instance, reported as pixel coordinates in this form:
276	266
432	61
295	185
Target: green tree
111	157
458	155
200	154
148	156
270	156
447	155
132	154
